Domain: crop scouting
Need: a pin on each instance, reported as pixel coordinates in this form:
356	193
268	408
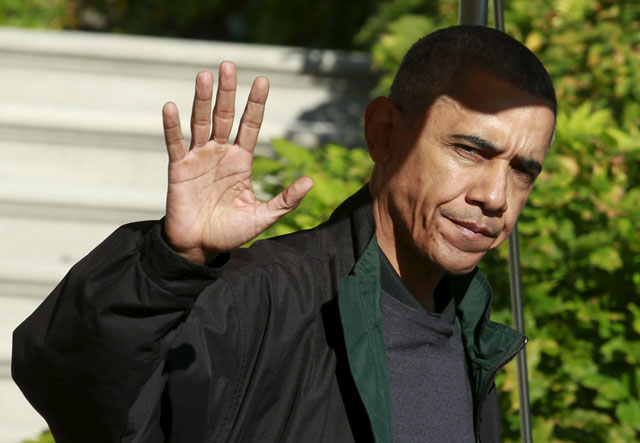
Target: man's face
458	178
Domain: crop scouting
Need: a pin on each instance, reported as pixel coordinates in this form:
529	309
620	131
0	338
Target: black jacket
280	342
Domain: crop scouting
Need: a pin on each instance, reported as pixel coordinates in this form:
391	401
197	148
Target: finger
176	146
201	112
224	110
290	198
253	114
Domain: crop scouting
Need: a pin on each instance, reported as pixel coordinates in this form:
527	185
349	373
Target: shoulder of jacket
296	251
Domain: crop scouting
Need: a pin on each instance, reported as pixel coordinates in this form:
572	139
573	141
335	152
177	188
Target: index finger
253	114
176	146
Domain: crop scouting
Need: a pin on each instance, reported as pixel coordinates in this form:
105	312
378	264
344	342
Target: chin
459	271
460	264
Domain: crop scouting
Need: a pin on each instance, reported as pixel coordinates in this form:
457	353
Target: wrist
196	255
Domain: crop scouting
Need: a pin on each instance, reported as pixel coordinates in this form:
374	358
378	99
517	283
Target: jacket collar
361	317
488	345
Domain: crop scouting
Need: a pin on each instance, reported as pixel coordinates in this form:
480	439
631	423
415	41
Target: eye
526	174
468	151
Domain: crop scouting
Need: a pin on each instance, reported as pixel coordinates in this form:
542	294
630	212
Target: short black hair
434	63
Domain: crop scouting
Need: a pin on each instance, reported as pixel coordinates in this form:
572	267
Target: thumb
290	198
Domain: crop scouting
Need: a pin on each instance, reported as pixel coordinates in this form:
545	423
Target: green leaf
607	259
45	437
294	154
635	311
629	413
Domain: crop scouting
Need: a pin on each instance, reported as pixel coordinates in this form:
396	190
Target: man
371	327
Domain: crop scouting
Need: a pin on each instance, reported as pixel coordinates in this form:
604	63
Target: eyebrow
525	162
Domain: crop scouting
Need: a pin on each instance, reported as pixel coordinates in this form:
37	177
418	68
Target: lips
474	230
477	229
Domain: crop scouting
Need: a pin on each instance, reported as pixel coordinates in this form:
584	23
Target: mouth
474	230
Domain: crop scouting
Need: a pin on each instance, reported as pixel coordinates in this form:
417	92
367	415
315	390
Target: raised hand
211	206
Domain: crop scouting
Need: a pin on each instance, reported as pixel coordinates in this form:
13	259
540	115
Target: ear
378	125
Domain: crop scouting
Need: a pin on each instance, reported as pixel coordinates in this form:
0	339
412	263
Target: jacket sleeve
102	337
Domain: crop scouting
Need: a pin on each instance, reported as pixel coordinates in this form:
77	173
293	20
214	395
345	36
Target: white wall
81	147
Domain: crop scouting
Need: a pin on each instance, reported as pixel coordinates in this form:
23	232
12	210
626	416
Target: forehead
489	93
490	108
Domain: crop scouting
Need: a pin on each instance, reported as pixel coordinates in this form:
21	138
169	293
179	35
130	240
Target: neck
418	274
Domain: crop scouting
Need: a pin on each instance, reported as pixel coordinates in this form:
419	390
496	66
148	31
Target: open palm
211	206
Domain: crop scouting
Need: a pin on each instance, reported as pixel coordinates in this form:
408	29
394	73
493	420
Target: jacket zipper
502	364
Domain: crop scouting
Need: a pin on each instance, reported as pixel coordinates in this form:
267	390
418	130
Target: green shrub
53	14
337	172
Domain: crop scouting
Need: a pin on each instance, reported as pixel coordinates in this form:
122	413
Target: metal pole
517	309
474	12
498	15
517	298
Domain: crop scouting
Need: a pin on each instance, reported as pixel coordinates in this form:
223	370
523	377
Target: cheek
510	220
443	190
454	177
517	201
427	180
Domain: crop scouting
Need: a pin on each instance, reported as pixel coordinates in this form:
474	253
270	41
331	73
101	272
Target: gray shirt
431	397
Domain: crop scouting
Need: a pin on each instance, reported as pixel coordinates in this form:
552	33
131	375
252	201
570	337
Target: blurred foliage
580	234
45	437
325	24
397	24
35	13
337	172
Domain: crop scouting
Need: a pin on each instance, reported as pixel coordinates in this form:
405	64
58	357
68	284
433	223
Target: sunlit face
456	180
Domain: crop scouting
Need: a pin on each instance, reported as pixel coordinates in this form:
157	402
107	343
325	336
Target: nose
489	191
